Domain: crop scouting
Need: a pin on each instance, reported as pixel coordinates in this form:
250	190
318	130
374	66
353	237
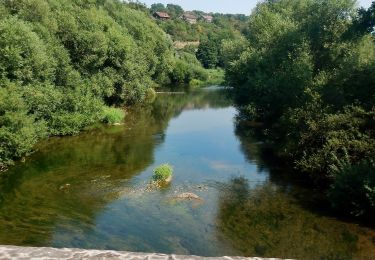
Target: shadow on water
286	216
266	221
91	190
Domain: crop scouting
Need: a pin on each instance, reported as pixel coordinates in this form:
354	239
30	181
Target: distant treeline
307	71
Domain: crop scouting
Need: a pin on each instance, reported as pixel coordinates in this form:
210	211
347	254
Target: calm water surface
92	191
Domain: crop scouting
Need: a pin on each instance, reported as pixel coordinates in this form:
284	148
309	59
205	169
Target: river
92	190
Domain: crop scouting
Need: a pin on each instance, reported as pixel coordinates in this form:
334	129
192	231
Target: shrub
23	55
163	172
61	61
181	72
354	189
18	130
113	115
215	77
196	83
186	69
319	141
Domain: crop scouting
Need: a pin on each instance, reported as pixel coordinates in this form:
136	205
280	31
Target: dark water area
92	191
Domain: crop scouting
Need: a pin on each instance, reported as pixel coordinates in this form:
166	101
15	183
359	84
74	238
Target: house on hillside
207	18
190	18
161	16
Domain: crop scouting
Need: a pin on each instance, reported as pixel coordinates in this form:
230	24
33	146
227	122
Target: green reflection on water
91	191
267	221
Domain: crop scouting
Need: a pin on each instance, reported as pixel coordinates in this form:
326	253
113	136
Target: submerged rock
188	196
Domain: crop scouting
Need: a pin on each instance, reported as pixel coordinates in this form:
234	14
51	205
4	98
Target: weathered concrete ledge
16	252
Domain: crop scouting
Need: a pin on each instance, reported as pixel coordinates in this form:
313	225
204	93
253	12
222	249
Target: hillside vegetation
66	64
62	62
211	35
307	70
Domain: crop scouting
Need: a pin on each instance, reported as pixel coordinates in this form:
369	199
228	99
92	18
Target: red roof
162	15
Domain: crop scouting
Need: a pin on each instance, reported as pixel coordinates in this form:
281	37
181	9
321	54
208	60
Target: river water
92	191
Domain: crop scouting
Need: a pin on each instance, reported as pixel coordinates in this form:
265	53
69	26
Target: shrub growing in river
163	173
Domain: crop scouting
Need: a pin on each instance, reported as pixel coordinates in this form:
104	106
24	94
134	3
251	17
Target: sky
222	6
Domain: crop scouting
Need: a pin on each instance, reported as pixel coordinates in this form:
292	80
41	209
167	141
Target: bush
163	172
65	60
180	73
310	80
187	69
353	189
113	115
318	141
23	55
215	77
196	83
18	131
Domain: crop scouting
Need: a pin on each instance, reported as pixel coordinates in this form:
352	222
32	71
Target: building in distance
208	18
161	16
190	18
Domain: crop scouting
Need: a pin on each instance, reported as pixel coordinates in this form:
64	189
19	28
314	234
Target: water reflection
69	180
267	221
91	191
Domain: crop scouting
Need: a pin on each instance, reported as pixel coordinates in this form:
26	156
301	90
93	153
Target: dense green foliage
63	62
113	115
163	173
307	70
223	26
187	68
174	11
208	54
19	131
354	189
209	35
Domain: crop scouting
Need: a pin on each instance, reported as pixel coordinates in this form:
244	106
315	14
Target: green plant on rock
163	173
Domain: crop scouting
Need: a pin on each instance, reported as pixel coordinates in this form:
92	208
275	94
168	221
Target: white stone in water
188	195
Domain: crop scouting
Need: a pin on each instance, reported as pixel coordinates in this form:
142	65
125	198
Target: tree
18	130
23	55
308	72
365	21
66	60
175	11
158	8
208	54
